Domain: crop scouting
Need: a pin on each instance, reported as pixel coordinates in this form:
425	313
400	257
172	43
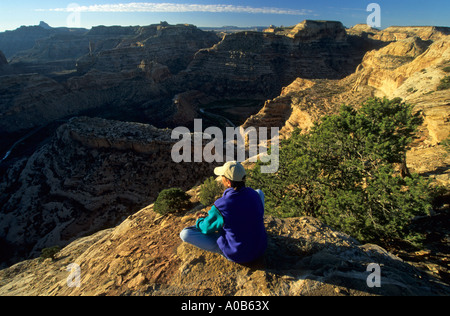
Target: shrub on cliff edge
49	253
210	191
343	173
171	201
444	84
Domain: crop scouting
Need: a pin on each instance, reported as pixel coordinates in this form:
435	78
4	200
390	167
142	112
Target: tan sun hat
232	170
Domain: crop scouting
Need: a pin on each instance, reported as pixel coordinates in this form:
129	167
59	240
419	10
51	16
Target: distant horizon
215	14
215	26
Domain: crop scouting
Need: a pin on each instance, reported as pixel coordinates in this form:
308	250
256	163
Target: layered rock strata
411	68
113	71
144	256
25	37
171	45
92	175
265	62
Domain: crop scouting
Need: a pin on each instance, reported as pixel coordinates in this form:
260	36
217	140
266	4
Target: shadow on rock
304	257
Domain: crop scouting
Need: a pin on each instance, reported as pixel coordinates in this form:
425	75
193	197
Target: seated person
234	227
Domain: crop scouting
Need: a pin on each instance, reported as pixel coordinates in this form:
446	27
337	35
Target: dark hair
237	185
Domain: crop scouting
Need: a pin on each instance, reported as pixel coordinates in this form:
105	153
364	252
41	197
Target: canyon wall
93	174
124	71
266	61
115	71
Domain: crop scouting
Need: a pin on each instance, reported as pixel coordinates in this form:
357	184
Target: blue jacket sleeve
212	223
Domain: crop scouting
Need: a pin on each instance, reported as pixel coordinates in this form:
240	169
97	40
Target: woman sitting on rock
234	227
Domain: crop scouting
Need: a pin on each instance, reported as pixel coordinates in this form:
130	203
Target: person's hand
201	215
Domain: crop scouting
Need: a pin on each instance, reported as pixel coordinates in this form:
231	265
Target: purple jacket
244	237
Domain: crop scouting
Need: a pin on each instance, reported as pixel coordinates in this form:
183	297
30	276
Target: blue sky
88	13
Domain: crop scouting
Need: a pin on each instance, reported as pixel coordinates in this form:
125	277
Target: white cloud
176	7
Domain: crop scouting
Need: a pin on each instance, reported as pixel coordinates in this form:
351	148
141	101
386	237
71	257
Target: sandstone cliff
171	45
32	100
59	51
411	63
303	102
92	175
25	37
395	33
121	71
265	62
134	73
314	31
144	256
411	68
